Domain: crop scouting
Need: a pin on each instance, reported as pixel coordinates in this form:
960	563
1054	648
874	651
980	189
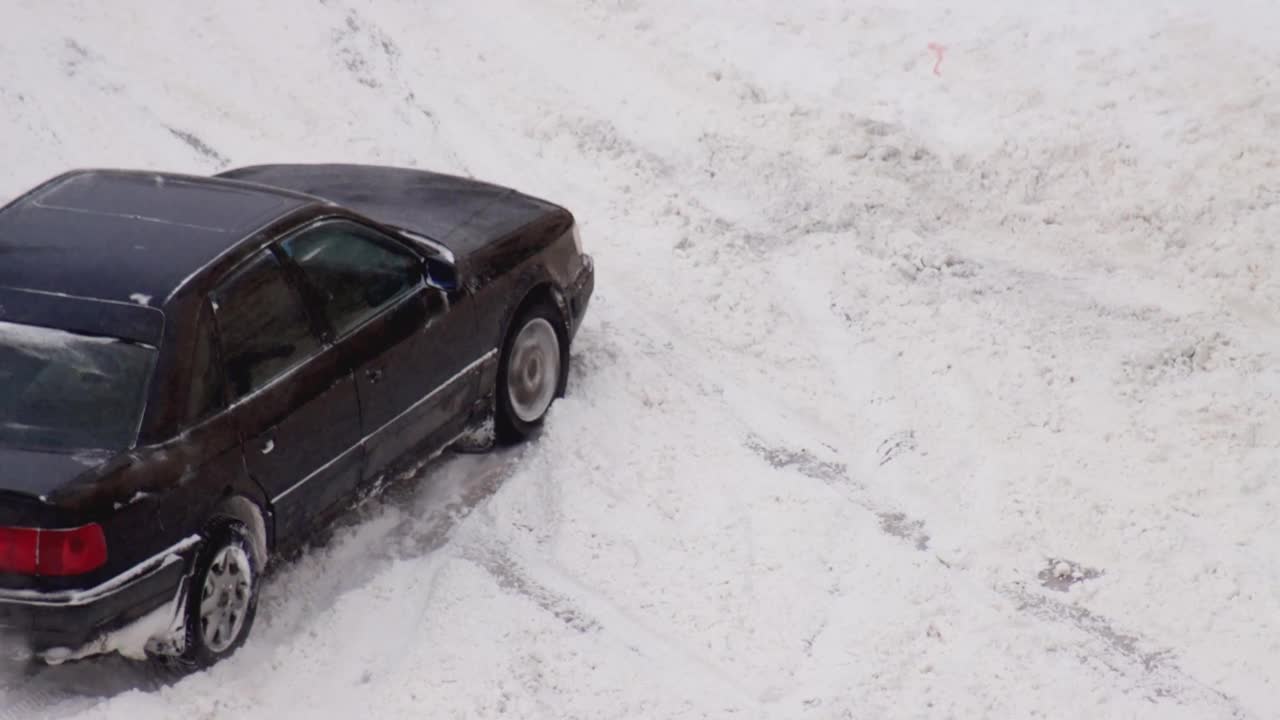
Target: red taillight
52	553
18	548
71	552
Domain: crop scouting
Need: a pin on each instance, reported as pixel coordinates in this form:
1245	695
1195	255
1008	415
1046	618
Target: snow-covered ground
909	389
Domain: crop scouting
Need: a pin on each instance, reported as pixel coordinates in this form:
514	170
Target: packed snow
932	369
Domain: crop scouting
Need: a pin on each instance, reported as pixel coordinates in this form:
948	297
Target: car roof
128	236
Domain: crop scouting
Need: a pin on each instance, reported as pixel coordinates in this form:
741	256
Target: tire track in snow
583	610
405	519
1118	652
511	577
38	691
1122	653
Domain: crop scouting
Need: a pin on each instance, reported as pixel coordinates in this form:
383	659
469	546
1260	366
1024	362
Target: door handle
374	374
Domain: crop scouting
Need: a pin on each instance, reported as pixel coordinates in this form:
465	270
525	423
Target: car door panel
378	352
302	441
412	398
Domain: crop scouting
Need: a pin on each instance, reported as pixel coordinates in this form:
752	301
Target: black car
196	372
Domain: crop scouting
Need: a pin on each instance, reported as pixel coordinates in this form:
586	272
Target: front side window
262	325
64	391
355	272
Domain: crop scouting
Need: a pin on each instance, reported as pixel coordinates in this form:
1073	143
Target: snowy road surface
903	394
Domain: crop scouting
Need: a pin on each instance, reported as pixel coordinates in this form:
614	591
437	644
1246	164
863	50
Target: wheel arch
248	512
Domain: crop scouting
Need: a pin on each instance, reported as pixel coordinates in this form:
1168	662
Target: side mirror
441	274
438	268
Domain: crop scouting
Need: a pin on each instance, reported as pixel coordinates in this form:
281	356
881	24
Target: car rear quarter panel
154	497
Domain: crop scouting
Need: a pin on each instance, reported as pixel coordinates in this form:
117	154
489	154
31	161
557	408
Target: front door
389	325
293	398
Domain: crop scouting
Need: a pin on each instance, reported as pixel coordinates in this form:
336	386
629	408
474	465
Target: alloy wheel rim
533	371
224	600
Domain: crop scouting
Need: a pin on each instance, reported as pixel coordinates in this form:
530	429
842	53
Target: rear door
394	331
293	398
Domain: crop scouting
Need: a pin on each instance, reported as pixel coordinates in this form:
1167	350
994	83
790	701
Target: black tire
511	428
231	536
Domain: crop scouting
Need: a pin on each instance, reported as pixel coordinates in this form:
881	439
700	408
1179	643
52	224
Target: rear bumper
580	293
32	624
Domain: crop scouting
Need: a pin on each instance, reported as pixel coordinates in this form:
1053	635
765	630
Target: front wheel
530	372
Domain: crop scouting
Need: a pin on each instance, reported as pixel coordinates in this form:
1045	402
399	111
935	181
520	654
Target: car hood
462	214
37	474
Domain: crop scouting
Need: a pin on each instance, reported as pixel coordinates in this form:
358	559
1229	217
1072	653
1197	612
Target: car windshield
62	391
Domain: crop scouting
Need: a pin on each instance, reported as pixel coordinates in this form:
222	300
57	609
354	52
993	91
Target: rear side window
355	272
263	326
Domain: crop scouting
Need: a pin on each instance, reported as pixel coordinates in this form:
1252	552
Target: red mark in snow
937	49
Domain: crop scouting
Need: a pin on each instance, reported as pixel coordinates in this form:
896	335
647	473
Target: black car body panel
39	474
463	214
150	258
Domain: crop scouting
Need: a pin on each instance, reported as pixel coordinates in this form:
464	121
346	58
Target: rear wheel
530	372
223	599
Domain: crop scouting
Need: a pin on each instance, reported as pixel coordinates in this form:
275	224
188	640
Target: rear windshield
63	391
